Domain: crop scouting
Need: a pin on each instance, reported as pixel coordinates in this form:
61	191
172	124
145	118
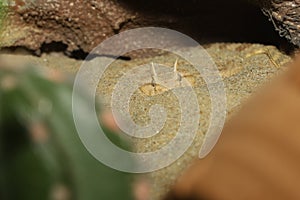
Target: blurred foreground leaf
41	155
3	13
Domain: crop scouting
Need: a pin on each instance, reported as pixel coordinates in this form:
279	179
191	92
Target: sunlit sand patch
167	80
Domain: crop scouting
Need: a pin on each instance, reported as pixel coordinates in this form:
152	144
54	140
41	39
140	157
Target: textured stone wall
82	25
285	15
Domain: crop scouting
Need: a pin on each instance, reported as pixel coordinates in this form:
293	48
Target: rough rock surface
285	15
82	25
79	24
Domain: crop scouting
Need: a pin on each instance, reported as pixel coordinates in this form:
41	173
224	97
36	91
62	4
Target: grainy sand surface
243	67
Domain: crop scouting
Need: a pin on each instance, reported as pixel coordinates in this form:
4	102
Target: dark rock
285	15
80	25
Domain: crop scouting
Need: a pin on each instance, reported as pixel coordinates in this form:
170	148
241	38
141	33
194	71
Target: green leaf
41	154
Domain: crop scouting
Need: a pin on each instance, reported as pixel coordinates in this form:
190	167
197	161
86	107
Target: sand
244	68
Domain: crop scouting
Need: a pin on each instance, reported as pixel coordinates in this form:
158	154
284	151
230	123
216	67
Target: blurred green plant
3	13
41	155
